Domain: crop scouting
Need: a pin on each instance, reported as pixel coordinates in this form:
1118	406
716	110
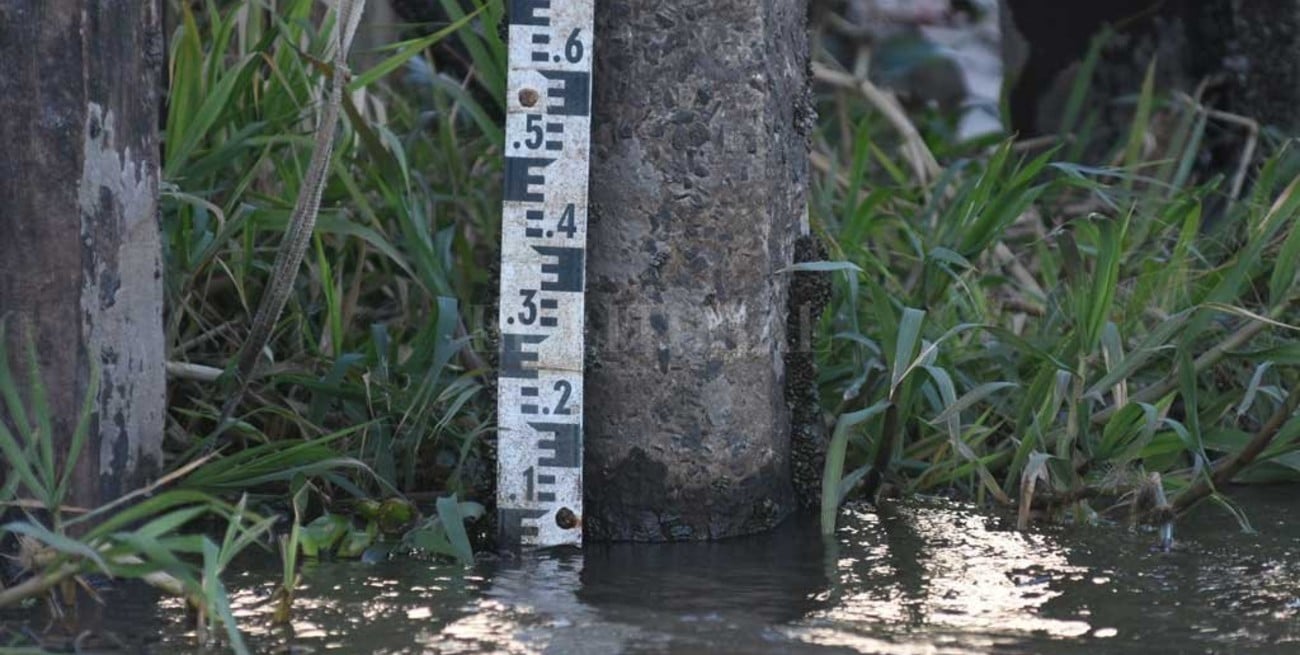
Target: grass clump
372	334
1042	333
371	362
147	535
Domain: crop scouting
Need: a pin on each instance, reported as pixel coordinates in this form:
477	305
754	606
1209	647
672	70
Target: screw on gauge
566	519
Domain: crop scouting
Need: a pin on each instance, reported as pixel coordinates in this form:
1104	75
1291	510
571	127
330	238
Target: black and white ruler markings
543	259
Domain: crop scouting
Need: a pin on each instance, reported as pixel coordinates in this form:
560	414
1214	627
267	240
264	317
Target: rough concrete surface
698	182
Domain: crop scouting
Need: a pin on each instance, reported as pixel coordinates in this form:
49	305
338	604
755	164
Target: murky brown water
920	577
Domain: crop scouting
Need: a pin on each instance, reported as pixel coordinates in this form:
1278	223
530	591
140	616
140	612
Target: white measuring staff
543	258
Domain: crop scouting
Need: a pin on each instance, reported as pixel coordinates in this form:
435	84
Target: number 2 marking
565	389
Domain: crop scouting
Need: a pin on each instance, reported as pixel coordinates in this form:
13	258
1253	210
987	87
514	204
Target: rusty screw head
566	519
528	97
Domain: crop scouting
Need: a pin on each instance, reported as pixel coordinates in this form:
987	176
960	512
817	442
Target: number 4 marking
568	224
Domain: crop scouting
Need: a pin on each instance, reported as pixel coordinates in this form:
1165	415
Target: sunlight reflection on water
939	574
919	577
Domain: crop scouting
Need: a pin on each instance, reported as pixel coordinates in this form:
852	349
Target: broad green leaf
834	466
453	522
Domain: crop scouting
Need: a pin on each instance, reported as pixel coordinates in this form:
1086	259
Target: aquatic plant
372	335
1028	330
148	534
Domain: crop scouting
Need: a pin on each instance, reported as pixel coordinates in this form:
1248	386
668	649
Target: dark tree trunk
80	255
1249	50
1267	61
698	186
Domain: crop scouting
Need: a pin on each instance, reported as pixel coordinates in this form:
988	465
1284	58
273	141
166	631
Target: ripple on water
917	577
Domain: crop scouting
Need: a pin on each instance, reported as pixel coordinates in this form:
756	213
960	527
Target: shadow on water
916	577
649	598
684	596
772	578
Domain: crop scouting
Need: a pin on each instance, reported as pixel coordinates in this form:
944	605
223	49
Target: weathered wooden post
80	252
698	180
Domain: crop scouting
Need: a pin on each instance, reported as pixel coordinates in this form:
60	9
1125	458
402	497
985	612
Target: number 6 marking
573	47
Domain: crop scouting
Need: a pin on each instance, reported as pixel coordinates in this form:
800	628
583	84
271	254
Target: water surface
923	576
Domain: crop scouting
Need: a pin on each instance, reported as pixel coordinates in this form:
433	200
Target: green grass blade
908	340
44	435
60	543
835	454
454	525
79	434
405	51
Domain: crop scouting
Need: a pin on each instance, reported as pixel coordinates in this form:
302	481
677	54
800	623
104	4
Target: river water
923	576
